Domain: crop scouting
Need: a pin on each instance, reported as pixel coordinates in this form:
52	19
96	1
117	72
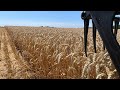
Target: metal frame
103	22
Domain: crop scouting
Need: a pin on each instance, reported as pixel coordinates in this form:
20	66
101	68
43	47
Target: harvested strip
3	64
11	65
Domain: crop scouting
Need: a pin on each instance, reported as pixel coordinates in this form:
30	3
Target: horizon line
37	26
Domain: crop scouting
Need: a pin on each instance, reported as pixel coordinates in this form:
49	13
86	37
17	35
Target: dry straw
59	53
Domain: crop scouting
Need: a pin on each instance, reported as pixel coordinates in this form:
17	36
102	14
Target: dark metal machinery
103	22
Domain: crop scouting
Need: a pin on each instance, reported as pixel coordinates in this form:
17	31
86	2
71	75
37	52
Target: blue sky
70	19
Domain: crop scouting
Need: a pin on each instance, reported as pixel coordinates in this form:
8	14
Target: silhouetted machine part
103	22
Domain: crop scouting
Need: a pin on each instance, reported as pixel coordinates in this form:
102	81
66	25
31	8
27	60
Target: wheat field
58	53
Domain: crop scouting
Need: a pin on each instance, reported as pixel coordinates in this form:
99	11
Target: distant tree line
48	26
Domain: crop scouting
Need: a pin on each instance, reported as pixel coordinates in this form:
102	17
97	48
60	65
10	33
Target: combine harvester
103	22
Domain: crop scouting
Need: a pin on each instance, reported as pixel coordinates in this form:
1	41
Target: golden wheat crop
59	53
